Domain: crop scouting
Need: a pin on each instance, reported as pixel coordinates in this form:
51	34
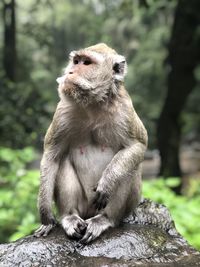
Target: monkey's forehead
96	56
98	51
85	53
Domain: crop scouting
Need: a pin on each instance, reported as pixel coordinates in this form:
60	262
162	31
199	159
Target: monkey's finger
96	198
85	238
99	202
48	229
103	204
39	229
40	232
80	230
92	237
82	226
77	235
97	205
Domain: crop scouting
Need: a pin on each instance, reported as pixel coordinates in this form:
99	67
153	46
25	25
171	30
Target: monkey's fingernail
81	228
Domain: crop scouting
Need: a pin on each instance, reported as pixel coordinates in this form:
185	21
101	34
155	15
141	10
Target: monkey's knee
123	202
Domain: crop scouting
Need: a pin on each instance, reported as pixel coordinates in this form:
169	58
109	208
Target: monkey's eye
75	61
87	62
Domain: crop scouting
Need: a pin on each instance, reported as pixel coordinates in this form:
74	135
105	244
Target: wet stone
146	238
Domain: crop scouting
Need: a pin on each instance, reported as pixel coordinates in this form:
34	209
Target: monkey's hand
47	217
100	200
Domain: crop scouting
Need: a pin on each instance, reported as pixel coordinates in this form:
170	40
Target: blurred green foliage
48	30
19	188
18	193
23	113
184	209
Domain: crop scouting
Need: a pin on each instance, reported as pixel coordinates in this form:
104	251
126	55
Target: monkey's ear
119	67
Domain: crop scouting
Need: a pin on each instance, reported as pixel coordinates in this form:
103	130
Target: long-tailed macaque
93	148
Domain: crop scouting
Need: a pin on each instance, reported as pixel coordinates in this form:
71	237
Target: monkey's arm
122	165
53	149
48	171
54	146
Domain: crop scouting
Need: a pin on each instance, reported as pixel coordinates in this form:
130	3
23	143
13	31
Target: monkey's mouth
75	91
85	92
79	83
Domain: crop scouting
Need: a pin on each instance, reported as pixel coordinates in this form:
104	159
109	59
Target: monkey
93	149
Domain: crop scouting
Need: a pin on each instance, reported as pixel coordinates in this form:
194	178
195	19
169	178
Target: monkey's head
93	76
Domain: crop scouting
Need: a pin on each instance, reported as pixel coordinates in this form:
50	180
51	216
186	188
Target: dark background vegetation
161	41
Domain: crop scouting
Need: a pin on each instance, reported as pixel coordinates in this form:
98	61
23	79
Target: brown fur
93	148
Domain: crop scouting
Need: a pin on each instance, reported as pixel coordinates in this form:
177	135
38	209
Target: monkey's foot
96	226
74	226
43	230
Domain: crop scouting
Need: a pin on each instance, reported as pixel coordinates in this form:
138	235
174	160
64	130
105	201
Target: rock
147	238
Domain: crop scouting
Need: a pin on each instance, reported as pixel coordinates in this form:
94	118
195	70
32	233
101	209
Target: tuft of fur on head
101	83
102	49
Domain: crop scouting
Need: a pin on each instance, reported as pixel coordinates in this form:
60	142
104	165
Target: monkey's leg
71	201
124	201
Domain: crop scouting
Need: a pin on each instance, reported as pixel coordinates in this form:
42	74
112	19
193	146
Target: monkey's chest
108	136
90	161
87	155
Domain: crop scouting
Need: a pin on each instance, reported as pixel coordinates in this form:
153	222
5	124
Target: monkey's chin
85	95
76	93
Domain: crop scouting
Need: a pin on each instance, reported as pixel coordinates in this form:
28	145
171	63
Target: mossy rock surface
141	240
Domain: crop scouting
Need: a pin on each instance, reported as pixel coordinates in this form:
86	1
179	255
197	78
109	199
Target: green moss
184	209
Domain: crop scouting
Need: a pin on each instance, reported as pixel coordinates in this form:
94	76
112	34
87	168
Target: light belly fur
90	161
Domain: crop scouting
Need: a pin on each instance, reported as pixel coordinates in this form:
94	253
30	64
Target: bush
18	193
18	198
184	209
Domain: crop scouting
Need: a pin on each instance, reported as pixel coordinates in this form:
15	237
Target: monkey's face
93	75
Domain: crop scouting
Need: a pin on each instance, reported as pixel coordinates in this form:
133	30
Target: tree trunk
184	55
9	53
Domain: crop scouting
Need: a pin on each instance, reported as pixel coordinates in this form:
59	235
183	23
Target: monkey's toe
74	226
43	230
96	226
82	226
92	232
